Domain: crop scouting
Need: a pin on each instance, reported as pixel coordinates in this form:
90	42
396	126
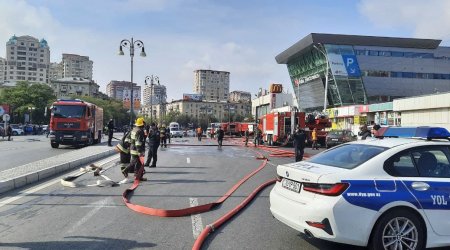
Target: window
401	165
373	53
432	162
347	156
396	54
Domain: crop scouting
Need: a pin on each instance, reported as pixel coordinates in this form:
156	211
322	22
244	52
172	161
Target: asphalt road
57	217
30	148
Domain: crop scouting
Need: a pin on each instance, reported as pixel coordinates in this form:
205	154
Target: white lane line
97	206
188	160
48	184
197	224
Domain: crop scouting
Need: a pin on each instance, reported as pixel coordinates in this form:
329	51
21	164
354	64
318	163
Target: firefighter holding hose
137	150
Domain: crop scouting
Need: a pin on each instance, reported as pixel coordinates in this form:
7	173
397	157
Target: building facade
265	102
220	110
240	96
70	86
55	71
155	94
2	70
213	85
121	90
27	59
77	66
364	69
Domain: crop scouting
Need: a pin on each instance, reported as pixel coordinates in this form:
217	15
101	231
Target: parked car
175	132
390	193
17	130
336	137
190	133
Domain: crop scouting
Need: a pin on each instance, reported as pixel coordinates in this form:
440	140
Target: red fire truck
277	126
75	122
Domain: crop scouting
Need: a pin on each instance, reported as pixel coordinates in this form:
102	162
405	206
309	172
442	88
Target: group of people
364	131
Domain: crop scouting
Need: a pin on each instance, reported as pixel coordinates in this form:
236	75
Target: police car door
432	186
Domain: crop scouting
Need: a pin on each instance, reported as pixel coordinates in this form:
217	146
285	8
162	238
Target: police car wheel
398	229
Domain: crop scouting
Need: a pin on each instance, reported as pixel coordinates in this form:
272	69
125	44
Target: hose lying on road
68	181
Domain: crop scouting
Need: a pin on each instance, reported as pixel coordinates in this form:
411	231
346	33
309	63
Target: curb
35	176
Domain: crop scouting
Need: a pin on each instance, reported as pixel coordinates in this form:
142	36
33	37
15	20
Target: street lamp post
30	110
130	44
326	77
151	78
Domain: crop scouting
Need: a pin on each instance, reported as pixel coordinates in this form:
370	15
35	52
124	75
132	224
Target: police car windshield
347	156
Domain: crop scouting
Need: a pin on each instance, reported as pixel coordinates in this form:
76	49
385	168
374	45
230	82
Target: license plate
68	136
335	139
291	185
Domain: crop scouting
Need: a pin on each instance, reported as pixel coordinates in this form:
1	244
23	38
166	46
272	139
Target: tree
26	95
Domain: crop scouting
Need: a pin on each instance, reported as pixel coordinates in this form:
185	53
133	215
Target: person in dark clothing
364	132
153	144
246	134
168	134
110	131
163	136
220	134
9	132
299	138
375	131
257	137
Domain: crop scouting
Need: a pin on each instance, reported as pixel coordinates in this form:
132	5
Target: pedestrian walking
110	131
220	134
299	138
137	150
314	139
9	132
154	138
199	133
163	136
246	134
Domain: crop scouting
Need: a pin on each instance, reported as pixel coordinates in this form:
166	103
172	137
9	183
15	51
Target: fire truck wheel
54	144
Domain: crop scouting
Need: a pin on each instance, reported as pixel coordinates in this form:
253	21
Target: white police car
390	193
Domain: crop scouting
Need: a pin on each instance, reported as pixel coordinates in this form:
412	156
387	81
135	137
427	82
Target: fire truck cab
75	122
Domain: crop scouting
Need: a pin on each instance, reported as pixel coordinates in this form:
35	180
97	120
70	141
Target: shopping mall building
364	71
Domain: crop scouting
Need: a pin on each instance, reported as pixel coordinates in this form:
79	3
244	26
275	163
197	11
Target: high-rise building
240	96
77	66
27	59
121	90
2	69
157	94
213	85
55	71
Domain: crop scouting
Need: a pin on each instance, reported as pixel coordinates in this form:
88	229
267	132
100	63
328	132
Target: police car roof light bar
423	132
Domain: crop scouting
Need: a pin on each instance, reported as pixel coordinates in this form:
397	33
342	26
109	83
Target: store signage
306	79
344	65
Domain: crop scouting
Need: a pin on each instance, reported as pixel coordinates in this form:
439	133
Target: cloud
425	19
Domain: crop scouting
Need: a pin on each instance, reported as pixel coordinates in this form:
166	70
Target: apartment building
213	85
27	59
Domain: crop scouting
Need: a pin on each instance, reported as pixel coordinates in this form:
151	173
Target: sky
180	36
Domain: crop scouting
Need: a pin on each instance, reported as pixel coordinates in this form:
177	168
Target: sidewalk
32	172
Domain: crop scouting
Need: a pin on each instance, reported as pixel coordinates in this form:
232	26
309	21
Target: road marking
49	183
97	206
188	160
197	224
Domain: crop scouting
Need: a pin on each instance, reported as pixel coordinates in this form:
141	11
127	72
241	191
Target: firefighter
137	149
246	134
153	144
110	131
315	145
163	136
257	137
168	134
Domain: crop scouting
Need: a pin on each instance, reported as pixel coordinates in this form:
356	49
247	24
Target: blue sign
351	64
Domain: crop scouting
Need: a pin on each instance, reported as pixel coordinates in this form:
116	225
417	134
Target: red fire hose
209	206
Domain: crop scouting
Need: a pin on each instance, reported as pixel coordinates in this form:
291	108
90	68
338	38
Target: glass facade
343	88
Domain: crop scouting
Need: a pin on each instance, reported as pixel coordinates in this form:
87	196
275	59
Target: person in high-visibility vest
199	133
137	149
314	139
